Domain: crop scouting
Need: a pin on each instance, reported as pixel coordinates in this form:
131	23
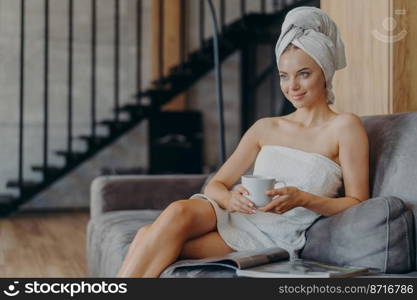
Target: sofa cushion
109	236
377	233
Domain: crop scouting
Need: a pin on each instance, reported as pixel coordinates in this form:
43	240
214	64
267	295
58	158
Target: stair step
176	77
27	184
133	109
7	199
182	69
115	126
154	93
201	57
50	170
7	204
92	141
73	156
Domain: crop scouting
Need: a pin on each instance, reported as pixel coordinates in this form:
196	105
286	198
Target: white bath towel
310	172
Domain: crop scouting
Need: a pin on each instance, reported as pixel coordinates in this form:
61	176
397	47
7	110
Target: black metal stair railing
249	28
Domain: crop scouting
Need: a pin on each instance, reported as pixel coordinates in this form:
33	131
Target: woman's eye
305	74
282	76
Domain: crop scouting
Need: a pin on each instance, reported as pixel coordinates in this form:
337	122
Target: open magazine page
301	268
234	260
272	255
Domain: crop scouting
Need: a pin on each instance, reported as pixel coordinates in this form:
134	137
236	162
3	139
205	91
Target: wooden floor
43	244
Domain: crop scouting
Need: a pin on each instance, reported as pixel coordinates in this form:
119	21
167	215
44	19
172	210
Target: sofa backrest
393	157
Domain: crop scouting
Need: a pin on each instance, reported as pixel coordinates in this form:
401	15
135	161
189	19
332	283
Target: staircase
254	28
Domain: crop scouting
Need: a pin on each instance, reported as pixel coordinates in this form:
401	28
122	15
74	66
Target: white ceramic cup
257	186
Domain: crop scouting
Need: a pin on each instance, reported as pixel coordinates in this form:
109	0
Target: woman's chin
298	104
301	103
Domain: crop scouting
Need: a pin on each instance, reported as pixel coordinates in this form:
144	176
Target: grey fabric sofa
379	232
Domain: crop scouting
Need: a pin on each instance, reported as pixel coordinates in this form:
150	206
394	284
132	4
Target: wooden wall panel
405	56
363	86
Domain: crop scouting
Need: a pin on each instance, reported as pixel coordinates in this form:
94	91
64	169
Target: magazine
270	263
303	268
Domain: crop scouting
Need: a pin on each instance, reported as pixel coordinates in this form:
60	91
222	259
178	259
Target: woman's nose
294	85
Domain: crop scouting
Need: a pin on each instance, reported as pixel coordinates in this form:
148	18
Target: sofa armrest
126	192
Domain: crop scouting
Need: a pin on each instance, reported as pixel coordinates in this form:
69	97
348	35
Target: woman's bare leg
137	240
160	244
210	244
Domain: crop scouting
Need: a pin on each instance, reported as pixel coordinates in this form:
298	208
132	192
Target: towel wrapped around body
310	172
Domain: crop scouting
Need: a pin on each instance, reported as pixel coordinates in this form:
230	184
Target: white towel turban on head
310	29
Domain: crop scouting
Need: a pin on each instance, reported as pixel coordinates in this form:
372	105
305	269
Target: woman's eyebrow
305	68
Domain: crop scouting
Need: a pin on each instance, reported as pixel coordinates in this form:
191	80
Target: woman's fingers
277	192
270	205
279	210
242	190
245	205
266	207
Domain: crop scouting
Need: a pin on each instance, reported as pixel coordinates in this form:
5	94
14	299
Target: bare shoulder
350	130
271	122
267	121
264	124
262	129
347	122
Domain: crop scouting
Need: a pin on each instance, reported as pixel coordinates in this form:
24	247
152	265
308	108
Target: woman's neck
313	116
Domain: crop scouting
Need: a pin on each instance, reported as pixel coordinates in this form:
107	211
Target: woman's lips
296	97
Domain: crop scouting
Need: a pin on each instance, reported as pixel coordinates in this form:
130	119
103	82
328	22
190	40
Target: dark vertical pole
219	88
201	23
222	14
116	58
45	90
273	81
244	100
93	66
139	46
252	88
182	30
70	72
21	92
161	39
275	5
263	6
242	8
247	76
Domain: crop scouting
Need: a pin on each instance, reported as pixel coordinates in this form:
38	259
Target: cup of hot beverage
257	186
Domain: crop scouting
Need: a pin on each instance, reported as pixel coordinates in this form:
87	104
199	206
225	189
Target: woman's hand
283	200
238	202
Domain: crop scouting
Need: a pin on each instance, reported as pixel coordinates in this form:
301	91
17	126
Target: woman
314	150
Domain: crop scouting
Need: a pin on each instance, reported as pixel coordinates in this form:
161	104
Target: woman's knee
143	230
180	213
187	214
141	233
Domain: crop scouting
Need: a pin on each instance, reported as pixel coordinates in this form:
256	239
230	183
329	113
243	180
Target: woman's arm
354	160
328	206
238	163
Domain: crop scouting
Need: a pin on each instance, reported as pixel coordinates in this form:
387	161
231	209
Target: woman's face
301	78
